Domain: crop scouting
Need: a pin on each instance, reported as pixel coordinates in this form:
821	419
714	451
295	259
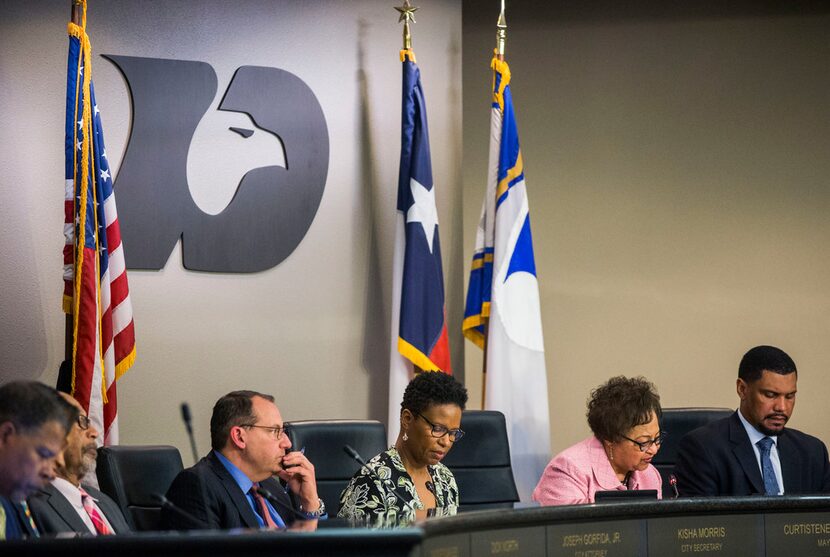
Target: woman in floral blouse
430	425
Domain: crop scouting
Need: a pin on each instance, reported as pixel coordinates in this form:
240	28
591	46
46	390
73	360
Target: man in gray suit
64	504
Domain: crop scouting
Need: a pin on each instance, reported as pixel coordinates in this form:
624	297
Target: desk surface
725	527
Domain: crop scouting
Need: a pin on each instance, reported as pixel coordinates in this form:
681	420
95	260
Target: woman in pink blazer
624	415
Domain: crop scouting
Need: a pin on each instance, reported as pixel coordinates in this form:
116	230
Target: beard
87	460
772	432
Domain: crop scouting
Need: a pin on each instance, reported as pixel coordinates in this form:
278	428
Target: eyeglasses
276	432
440	430
646	445
83	422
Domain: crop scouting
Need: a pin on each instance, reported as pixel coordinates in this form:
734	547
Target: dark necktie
770	483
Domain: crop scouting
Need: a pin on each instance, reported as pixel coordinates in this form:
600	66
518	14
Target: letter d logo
273	206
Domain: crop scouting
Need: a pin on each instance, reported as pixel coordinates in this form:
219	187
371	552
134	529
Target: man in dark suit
34	421
16	521
752	452
66	505
250	446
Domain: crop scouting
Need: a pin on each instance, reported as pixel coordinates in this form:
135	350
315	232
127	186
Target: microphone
673	483
356	456
170	505
277	503
189	427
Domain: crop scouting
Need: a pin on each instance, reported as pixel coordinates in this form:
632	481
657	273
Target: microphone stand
673	483
277	503
189	426
170	505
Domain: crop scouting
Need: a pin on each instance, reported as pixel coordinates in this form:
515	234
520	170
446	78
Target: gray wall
313	331
677	162
678	169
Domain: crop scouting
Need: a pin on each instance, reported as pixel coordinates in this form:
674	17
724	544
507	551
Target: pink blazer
575	474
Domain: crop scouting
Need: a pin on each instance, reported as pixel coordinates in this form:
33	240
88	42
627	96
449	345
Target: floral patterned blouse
369	494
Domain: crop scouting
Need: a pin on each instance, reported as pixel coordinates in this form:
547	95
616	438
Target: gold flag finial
501	33
407	12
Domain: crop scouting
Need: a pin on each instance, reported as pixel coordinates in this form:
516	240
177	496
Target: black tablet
624	495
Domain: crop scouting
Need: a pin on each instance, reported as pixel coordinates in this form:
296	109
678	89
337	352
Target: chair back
134	476
323	441
677	422
480	462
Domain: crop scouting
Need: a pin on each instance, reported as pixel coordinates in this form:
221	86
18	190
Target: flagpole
75	16
501	39
407	12
501	33
77	11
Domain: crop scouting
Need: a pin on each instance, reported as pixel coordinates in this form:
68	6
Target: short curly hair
620	404
433	387
765	358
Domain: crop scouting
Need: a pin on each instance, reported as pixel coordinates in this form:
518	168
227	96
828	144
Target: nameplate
791	534
453	545
699	536
618	538
509	542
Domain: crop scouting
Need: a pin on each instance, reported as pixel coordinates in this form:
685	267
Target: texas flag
419	328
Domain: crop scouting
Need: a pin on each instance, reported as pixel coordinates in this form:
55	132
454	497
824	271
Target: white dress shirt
754	437
73	495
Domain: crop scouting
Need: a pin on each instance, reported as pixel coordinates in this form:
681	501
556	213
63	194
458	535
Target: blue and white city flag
419	324
502	313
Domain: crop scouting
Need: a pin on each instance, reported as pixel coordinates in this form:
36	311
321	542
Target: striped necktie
30	520
101	527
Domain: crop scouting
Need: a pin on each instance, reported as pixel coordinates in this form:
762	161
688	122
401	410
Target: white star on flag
105	174
95	110
423	210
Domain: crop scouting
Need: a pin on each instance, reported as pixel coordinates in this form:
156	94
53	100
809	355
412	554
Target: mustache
780	416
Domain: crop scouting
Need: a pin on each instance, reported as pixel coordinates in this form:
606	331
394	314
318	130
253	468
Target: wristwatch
315	514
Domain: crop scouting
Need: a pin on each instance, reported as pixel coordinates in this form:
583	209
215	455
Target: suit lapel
240	500
790	465
64	509
743	451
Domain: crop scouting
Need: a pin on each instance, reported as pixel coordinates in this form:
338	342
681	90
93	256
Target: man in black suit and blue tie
752	452
250	447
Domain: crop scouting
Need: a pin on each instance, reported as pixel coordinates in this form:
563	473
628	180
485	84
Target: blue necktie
770	483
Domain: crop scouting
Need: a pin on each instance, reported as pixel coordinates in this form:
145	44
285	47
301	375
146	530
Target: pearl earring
405	436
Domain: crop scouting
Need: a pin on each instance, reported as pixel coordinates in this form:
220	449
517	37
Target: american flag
96	293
